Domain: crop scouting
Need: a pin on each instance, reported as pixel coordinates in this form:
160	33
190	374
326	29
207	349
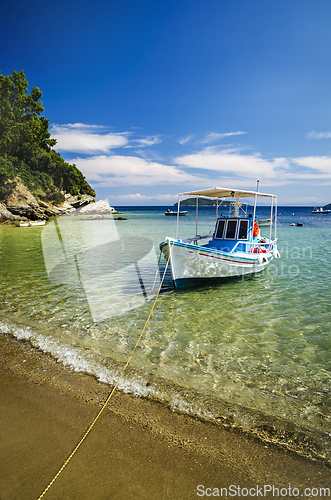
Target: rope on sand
113	390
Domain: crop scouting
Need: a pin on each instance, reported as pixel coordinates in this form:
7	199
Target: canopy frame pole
236	207
254	211
275	216
196	216
272	201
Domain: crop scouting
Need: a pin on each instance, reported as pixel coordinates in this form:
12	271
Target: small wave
206	407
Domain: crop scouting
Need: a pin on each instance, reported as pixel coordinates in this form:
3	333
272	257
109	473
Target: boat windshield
243	230
220	229
228	229
231	229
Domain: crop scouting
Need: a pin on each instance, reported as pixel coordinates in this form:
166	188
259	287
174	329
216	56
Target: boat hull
192	264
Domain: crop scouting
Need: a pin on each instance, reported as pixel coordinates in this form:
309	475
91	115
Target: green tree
26	146
22	129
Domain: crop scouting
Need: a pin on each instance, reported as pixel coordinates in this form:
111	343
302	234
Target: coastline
139	448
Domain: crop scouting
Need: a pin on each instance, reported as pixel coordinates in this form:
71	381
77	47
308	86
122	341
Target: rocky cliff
22	205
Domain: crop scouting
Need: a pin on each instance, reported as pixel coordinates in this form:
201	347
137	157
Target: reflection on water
258	344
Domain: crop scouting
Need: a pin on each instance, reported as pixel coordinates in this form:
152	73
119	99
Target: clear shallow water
247	353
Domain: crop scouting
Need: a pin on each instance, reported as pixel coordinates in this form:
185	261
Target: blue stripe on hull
190	282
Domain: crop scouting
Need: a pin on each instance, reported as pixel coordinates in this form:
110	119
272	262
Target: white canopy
218	192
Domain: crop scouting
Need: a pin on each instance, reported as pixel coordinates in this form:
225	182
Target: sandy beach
138	449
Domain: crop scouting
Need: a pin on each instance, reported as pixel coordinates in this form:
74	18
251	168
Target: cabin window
220	229
231	229
243	230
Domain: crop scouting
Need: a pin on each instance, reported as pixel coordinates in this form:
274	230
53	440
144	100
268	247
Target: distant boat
265	222
320	211
31	223
170	212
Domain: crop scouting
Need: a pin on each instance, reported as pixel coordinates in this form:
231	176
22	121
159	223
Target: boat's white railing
252	245
255	245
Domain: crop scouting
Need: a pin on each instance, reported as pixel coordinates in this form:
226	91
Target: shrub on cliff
26	145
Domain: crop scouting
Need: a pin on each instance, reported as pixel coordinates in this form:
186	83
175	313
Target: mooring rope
158	264
114	388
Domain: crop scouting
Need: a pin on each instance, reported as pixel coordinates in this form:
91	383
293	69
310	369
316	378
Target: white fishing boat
171	212
234	249
32	223
320	211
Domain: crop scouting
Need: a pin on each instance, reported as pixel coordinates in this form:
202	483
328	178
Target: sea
250	354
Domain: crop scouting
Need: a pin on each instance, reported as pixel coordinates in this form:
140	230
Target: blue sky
150	98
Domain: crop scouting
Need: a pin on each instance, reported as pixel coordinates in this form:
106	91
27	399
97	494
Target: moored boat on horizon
171	212
321	211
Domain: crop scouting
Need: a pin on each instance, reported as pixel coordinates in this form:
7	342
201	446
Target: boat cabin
232	232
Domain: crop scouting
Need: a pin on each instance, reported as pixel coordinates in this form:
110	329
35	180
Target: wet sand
138	449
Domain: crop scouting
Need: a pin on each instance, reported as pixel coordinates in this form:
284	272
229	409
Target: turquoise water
244	353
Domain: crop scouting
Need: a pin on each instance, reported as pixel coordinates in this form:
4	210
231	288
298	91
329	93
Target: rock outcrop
6	215
99	207
78	201
22	205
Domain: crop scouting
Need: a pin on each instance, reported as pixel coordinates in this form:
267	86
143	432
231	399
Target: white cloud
210	166
320	163
132	171
140	199
148	141
319	135
305	200
78	126
231	161
215	136
92	139
82	139
185	140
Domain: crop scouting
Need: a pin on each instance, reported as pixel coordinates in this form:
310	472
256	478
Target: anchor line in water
114	388
157	270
